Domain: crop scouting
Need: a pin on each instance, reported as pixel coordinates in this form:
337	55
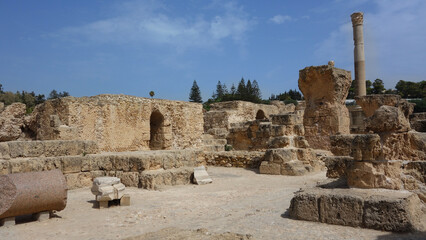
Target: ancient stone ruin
374	155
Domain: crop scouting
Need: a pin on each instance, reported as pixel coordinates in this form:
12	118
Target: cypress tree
195	94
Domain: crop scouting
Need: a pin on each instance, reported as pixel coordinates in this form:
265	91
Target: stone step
218	132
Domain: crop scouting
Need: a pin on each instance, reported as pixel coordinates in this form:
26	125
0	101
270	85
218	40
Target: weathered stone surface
289	161
304	206
418	121
388	119
399	213
153	179
370	103
341	209
50	148
387	210
243	159
337	165
121	123
375	174
201	176
341	145
325	89
27	193
366	147
409	146
11	122
223	114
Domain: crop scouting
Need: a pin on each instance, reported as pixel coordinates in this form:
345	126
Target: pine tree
256	91
219	91
241	90
195	94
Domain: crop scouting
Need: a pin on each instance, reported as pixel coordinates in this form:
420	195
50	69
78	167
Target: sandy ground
238	201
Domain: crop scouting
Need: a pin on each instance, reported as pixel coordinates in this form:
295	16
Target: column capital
357	18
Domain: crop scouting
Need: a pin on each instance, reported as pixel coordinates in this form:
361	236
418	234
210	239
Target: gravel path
238	201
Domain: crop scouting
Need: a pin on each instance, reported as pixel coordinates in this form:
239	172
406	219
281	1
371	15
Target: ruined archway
156	123
260	115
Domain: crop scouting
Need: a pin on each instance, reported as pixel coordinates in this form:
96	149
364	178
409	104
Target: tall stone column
359	57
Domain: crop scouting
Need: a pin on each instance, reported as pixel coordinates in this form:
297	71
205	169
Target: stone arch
156	128
260	115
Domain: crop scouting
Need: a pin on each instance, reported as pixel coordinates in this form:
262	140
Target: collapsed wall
120	122
325	89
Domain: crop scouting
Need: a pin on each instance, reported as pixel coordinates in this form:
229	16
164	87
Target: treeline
249	91
406	89
292	96
30	99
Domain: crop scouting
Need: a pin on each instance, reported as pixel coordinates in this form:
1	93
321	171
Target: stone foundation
398	211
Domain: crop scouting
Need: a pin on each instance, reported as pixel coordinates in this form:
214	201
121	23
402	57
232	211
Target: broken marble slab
201	176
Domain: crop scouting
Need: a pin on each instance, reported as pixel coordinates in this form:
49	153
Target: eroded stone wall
223	114
120	122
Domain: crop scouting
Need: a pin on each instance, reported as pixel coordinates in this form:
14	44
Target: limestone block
100	162
299	130
130	179
388	119
26	149
409	146
280	155
78	180
341	209
279	142
4	151
366	147
4	167
306	155
25	165
27	193
63	148
337	165
91	147
201	176
286	119
295	168
375	174
270	168
12	121
394	212
300	142
72	164
152	179
304	206
341	145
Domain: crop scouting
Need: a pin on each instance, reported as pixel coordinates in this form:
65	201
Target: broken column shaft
359	57
32	192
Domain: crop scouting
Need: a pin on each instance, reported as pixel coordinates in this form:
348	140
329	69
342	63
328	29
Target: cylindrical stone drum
32	192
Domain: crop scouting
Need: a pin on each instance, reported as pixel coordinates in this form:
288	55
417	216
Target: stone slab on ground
397	211
153	179
201	176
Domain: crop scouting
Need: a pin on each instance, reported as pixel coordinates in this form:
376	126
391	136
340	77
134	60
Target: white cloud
395	42
139	23
280	19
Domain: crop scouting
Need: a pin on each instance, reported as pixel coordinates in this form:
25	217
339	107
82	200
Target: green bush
420	105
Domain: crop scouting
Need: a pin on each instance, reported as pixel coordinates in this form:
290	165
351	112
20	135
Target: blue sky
133	47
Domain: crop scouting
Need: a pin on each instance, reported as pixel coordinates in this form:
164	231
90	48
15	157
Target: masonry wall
120	122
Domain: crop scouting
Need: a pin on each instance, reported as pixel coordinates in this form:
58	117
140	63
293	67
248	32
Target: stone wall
223	114
120	122
325	89
418	121
80	170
